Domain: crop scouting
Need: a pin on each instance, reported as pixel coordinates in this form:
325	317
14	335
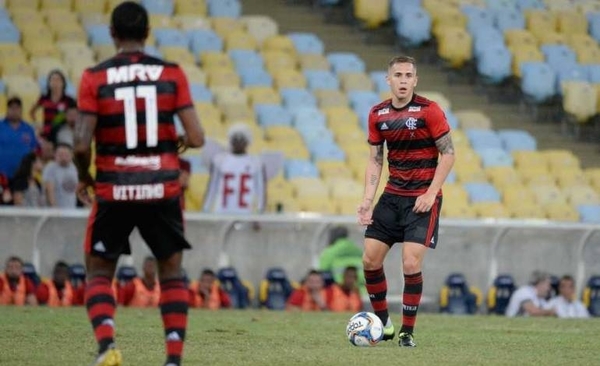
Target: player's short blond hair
403	60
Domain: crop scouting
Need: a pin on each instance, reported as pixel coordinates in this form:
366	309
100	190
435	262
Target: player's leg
161	226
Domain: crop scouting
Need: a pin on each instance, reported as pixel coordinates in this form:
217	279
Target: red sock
377	289
411	298
174	308
100	303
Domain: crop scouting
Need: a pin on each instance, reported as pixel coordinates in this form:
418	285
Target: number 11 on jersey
128	95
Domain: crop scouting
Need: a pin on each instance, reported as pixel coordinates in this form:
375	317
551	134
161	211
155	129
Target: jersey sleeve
375	137
436	121
183	99
87	96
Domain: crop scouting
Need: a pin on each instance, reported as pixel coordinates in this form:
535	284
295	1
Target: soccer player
128	103
57	291
141	292
420	156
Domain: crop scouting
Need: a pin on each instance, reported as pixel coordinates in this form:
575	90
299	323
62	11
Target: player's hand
424	202
365	212
182	144
83	194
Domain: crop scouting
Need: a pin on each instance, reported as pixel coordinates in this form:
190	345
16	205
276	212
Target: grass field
42	336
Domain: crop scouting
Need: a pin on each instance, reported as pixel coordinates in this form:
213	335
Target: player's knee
370	263
411	264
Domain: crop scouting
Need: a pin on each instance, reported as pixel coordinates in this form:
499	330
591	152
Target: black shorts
160	225
394	221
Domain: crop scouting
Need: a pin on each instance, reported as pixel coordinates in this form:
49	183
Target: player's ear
416	80
387	79
146	33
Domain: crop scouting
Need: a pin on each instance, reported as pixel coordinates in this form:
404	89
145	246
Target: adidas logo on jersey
384	126
99	247
383	111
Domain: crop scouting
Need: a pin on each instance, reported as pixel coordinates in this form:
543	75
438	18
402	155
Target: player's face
402	79
567	289
14	269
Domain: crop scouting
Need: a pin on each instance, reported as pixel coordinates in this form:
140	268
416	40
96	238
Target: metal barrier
481	249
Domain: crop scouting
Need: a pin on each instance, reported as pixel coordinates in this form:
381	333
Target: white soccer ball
364	329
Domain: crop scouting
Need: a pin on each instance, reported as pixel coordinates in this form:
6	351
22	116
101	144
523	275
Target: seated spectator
66	131
26	188
15	288
345	296
312	296
78	282
17	138
142	292
206	292
340	253
566	304
57	291
530	300
5	193
60	179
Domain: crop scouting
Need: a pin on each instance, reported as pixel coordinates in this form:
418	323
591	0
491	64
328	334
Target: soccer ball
364	329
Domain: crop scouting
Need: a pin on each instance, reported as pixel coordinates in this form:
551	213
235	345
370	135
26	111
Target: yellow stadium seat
525	54
588	56
103	52
494	210
307	187
160	21
525	159
515	195
593	177
581	195
225	25
454	46
460	140
191	7
468	156
21	85
577	40
18	69
526	210
284	134
473	119
546	194
215	60
237	112
346	207
540	21
579	100
284	78
240	40
313	61
330	98
208	111
561	158
569	177
19	4
190	21
56	17
552	38
519	37
89	6
74	34
290	150
36	32
75	50
447	17
455	191
283	204
318	205
197	188
586	7
230	96
356	81
501	176
536	175
260	27
277	60
558	6
12	50
466	173
223	77
335	169
384	95
111	4
435	5
94	18
346	189
177	54
263	95
457	210
372	13
437	97
43	65
561	212
279	43
340	117
279	188
572	22
348	134
194	73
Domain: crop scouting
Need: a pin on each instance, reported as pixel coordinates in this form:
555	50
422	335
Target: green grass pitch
42	336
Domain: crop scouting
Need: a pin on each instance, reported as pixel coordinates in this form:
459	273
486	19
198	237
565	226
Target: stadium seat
177	54
482	138
580	194
263	95
164	7
275	289
538	81
540	21
224	8
332	98
494	157
297	98
204	40
309	117
509	18
503	176
238	291
353	81
327	152
561	158
125	274
517	140
300	168
482	192
560	212
526	158
31	273
456	297
307	43
232	96
526	210
589	213
441	100
477	17
340	118
558	56
499	294
243	59
318	205
569	178
170	37
313	62
494	63
358	97
536	175
271	115
579	100
240	40
413	26
188	21
191	7
591	295
223	78
453	209
345	62
490	210
455	46
547	194
371	13
255	77
471	119
260	27
276	60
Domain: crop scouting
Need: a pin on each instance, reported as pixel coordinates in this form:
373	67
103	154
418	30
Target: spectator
65	133
530	300
60	179
17	138
312	296
15	287
5	193
184	179
566	304
77	275
207	294
26	188
340	253
237	181
142	292
345	296
55	103
58	291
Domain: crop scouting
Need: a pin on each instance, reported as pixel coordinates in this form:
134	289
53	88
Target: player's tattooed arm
444	145
379	156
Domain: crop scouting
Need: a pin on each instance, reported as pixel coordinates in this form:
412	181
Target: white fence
480	249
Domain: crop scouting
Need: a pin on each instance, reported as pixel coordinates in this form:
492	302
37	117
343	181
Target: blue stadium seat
165	7
517	140
362	111
321	79
530	4
509	19
231	283
99	34
275	289
30	272
477	18
493	156
171	37
320	151
413	25
456	297
316	135
308	116
297	98
152	51
356	97
255	77
575	72
9	33
486	37
345	62
559	56
379	80
589	213
451	178
538	81
203	40
224	8
200	93
482	192
307	43
452	119
297	168
499	294
496	5
398	6
77	274
591	295
494	63
125	274
243	59
593	72
272	115
482	138
594	25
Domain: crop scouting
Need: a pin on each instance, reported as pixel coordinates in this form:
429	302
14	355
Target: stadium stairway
297	15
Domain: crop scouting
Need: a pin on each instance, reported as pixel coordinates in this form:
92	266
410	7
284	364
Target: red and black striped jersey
410	134
135	98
